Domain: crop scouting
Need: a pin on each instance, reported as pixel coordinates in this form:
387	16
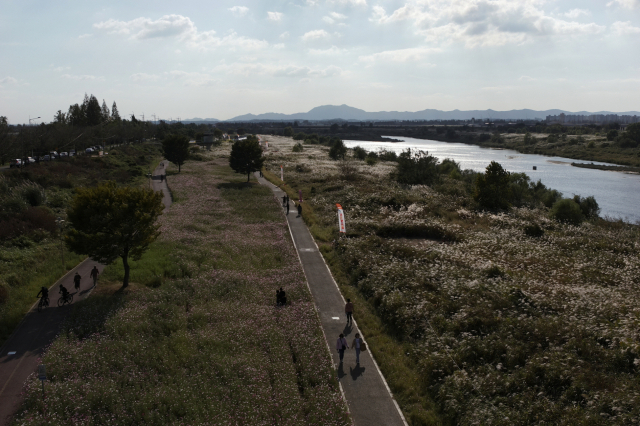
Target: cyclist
76	281
64	292
45	293
94	274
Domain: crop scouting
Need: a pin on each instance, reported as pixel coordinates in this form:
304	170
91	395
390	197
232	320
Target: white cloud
239	11
334	17
142	77
624	28
284	35
315	35
576	13
332	51
349	2
85	36
82	77
142	28
527	78
482	22
9	80
60	69
274	16
400	55
192	78
181	28
627	4
280	71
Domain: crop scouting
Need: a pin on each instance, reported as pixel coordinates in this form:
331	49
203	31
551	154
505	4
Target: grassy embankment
32	199
475	322
197	338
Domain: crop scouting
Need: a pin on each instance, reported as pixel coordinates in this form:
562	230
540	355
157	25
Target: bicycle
44	303
68	298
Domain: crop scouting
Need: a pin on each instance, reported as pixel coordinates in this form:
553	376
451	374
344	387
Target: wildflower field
198	339
472	318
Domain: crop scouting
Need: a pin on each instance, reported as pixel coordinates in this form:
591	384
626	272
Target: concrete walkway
20	355
368	396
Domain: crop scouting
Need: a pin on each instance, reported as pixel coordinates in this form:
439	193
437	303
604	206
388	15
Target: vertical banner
300	195
341	225
282	173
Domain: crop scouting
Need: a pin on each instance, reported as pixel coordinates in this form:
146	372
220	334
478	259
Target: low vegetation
511	314
196	338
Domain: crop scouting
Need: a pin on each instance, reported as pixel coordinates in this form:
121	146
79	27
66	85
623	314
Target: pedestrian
161	178
283	297
76	281
357	344
299	209
348	309
94	274
287	198
284	200
287	206
341	346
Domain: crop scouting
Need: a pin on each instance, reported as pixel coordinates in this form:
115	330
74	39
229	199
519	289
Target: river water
617	193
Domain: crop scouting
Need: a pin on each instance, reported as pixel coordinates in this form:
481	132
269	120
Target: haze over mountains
345	112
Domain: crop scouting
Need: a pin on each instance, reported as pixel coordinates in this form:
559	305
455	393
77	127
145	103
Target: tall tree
176	149
94	112
108	222
60	118
492	189
246	156
115	116
76	116
106	114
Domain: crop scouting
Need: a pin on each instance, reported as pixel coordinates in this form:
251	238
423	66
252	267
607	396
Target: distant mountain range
345	112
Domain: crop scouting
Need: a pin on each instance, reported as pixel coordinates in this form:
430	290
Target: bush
385	155
417	168
4	294
297	147
359	153
299	136
288	131
567	211
483	137
338	150
588	205
34	195
612	135
448	166
534	231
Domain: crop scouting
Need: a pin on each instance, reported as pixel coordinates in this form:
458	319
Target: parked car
72	153
64	154
15	163
31	160
46	158
88	150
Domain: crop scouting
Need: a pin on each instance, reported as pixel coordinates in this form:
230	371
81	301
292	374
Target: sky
219	59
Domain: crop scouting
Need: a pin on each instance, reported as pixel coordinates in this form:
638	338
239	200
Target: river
617	193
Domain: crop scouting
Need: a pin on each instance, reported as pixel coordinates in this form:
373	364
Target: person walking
348	309
283	297
284	200
94	274
299	209
356	345
76	281
341	346
287	206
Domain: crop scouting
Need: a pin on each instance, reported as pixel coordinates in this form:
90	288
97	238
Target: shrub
534	230
299	136
34	195
447	166
494	272
612	135
371	161
588	205
359	153
4	294
348	169
483	137
567	211
297	147
385	155
288	131
417	168
528	139
338	150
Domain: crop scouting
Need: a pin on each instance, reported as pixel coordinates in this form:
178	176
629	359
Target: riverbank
634	170
496	324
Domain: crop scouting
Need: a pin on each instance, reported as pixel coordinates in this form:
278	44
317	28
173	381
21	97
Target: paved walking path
19	356
159	184
368	396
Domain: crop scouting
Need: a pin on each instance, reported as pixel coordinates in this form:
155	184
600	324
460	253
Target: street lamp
31	119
